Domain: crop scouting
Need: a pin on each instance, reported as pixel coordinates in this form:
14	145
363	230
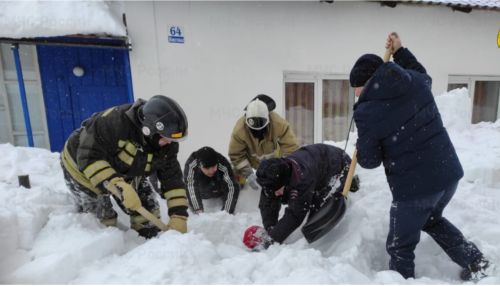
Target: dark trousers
408	218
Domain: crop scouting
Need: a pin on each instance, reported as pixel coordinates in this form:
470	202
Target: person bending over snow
116	150
301	180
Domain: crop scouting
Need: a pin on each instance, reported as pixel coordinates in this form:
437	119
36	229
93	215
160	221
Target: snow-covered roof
484	4
29	19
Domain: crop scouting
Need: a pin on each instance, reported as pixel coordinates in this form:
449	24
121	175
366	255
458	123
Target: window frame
470	80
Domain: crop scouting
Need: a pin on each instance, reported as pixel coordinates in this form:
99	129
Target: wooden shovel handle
152	218
387	55
142	211
350	174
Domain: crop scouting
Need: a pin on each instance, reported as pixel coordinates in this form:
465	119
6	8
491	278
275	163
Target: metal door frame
3	91
38	84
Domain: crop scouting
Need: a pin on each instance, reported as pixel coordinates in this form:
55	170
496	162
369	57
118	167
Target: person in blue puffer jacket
400	126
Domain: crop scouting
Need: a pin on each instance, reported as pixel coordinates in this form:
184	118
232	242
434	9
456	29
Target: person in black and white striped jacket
209	175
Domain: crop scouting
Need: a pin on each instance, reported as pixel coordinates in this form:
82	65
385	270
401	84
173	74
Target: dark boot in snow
148	232
475	271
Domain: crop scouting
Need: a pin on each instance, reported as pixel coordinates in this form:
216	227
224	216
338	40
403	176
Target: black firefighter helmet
163	116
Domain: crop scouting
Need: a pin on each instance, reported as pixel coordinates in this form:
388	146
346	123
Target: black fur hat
364	68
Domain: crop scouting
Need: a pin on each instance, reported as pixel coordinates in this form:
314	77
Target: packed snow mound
457	107
44	240
476	144
38	18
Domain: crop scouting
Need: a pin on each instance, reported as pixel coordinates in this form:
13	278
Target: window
485	105
318	106
452	86
337	109
485	99
299	102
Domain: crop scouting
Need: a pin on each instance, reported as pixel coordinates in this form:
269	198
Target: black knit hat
274	173
207	157
364	68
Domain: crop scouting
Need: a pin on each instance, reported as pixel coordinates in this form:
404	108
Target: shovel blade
325	219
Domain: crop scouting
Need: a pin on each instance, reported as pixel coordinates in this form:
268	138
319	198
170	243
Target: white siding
235	50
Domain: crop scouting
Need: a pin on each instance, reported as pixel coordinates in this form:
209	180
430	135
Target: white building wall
236	50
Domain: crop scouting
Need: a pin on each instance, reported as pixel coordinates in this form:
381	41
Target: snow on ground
38	18
44	240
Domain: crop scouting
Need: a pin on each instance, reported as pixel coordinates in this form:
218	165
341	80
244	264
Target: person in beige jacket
259	134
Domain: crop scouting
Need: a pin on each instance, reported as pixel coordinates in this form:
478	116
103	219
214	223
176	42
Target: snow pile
477	144
456	109
45	241
28	19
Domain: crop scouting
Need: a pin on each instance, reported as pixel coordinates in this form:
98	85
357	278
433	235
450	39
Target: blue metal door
78	81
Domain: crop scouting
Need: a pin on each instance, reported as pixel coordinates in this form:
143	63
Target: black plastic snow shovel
332	211
334	208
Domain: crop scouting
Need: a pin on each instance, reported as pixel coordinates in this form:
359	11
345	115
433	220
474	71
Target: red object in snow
253	236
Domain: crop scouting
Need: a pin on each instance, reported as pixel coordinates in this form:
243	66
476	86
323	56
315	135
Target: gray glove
252	182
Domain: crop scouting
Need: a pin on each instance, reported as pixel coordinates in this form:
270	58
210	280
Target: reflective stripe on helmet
257	123
163	116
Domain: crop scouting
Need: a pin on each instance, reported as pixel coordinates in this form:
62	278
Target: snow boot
148	232
476	270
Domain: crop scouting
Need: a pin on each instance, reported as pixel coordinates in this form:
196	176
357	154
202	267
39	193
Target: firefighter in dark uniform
116	150
209	175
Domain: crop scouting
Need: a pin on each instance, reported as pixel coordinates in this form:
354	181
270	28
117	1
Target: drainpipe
126	61
22	92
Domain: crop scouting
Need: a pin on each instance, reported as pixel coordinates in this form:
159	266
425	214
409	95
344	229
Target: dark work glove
355	184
